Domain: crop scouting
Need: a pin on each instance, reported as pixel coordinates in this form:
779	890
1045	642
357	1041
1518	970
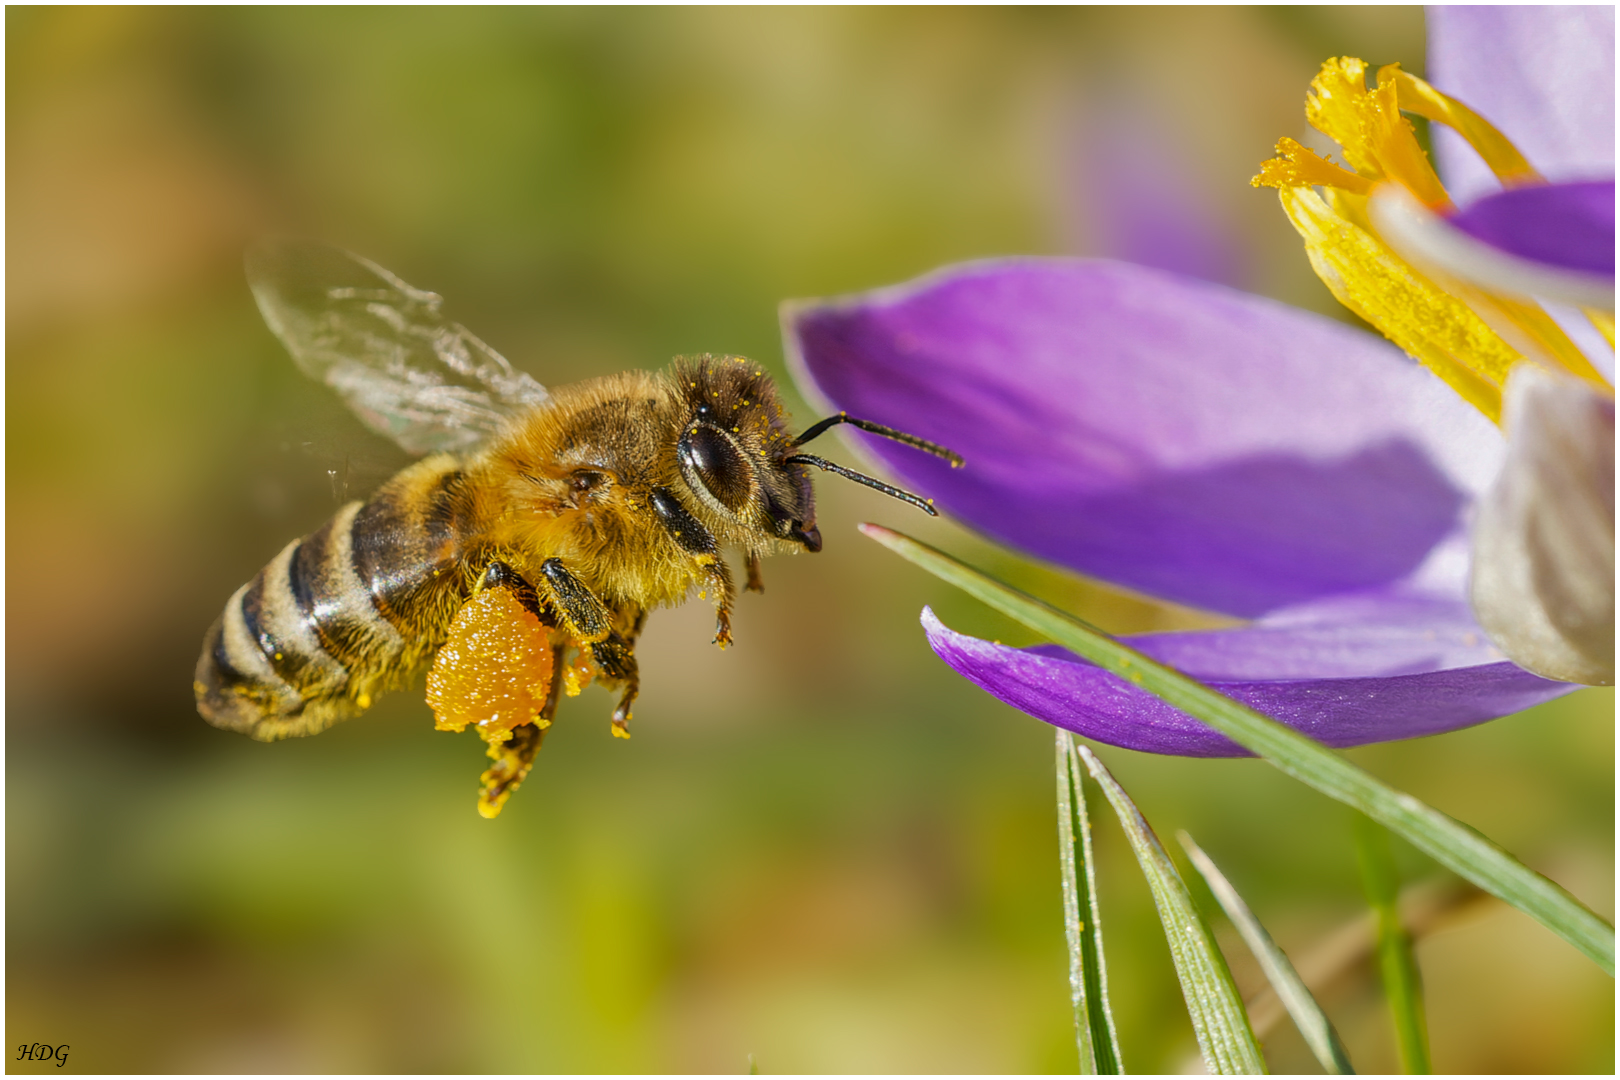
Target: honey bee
519	557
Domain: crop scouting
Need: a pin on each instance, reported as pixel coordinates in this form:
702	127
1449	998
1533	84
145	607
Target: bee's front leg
691	535
724	594
587	619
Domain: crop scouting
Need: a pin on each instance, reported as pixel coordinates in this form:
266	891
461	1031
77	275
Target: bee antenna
887	432
925	505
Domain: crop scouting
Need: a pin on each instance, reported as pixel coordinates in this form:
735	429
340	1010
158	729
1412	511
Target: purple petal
1198	444
1425	238
1543	75
1054	685
1376	634
1570	226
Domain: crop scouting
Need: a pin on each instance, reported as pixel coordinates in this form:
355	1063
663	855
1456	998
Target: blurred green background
821	848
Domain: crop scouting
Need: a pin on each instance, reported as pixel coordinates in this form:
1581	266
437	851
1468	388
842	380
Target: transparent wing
402	367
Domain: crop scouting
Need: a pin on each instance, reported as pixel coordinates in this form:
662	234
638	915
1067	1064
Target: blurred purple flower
1133	197
1207	447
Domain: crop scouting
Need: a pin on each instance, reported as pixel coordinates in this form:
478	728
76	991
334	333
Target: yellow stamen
1531	330
1421	99
1336	106
1466	335
1367	124
1375	283
1299	165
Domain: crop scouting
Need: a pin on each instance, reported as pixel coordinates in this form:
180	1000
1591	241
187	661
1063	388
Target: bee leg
698	541
513	760
756	583
499	575
625	662
724	594
554	691
498	670
617	659
637	624
581	612
590	623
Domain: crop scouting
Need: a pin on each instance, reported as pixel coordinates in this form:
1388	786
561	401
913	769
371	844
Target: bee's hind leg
515	757
500	671
548	711
513	760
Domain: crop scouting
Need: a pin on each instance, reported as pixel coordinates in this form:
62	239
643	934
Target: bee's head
738	458
732	453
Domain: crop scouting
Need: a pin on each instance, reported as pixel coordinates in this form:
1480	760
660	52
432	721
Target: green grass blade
1291	990
1218	1018
1444	839
1088	974
1396	962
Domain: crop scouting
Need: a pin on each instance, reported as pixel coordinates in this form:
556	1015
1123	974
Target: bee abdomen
335	616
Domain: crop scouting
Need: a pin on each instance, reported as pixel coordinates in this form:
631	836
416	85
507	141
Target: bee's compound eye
712	461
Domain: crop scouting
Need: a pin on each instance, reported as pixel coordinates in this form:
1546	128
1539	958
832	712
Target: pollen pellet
493	670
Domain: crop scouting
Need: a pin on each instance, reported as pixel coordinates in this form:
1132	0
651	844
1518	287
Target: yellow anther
1367	124
1299	166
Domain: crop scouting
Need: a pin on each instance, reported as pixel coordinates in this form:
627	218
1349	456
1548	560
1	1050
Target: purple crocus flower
1204	446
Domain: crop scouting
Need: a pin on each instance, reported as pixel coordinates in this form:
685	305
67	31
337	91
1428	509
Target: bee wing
402	367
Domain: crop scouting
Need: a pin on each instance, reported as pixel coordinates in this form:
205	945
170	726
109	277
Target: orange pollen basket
493	670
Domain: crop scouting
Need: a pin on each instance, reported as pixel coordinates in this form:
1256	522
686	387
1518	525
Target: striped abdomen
339	616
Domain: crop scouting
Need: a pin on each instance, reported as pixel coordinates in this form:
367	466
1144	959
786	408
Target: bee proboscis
521	555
